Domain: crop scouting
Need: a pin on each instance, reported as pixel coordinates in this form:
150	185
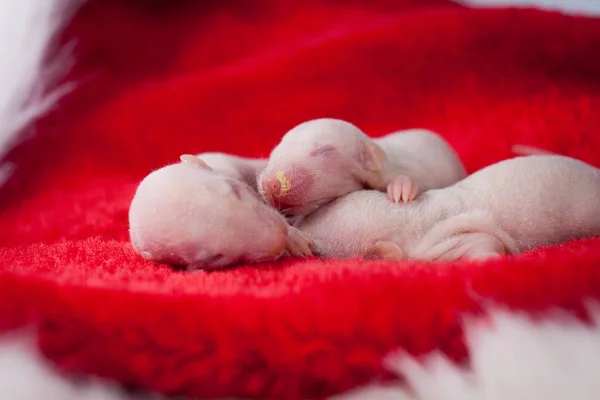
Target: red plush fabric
161	78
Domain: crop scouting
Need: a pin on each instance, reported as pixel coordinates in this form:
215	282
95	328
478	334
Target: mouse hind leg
475	246
472	235
480	246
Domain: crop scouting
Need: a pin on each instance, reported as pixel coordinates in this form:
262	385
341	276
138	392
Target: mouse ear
386	250
523	150
370	156
190	159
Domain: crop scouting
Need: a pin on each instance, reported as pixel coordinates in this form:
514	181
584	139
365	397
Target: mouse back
424	156
539	199
351	225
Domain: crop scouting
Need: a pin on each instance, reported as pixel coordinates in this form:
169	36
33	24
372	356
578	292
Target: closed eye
236	188
323	151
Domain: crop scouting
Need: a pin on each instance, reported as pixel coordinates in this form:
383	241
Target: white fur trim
27	376
577	7
513	358
27	28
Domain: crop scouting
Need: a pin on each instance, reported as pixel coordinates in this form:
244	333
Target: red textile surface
160	78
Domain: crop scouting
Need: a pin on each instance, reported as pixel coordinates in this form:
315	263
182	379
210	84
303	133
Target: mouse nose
287	187
271	187
280	243
273	232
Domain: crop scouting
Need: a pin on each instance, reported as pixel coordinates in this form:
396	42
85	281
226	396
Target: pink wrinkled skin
507	208
323	159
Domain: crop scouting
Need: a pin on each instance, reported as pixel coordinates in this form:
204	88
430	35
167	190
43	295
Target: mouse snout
287	188
271	232
279	244
271	188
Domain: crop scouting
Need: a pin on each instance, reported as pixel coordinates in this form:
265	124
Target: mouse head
316	162
186	214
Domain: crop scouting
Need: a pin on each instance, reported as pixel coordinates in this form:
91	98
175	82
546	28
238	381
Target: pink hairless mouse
190	215
320	160
246	170
506	208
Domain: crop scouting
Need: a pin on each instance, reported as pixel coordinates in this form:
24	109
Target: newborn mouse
506	208
323	159
189	215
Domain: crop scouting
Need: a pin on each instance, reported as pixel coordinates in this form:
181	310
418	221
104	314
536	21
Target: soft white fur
24	375
513	358
577	7
27	29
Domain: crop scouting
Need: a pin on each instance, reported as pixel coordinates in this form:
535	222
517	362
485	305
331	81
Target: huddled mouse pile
329	190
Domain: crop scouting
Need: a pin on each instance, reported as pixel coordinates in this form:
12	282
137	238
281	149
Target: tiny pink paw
402	188
299	244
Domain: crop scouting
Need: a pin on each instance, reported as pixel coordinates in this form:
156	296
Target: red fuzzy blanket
161	78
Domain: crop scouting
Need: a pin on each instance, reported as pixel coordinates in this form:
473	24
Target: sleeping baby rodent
506	208
190	215
323	159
